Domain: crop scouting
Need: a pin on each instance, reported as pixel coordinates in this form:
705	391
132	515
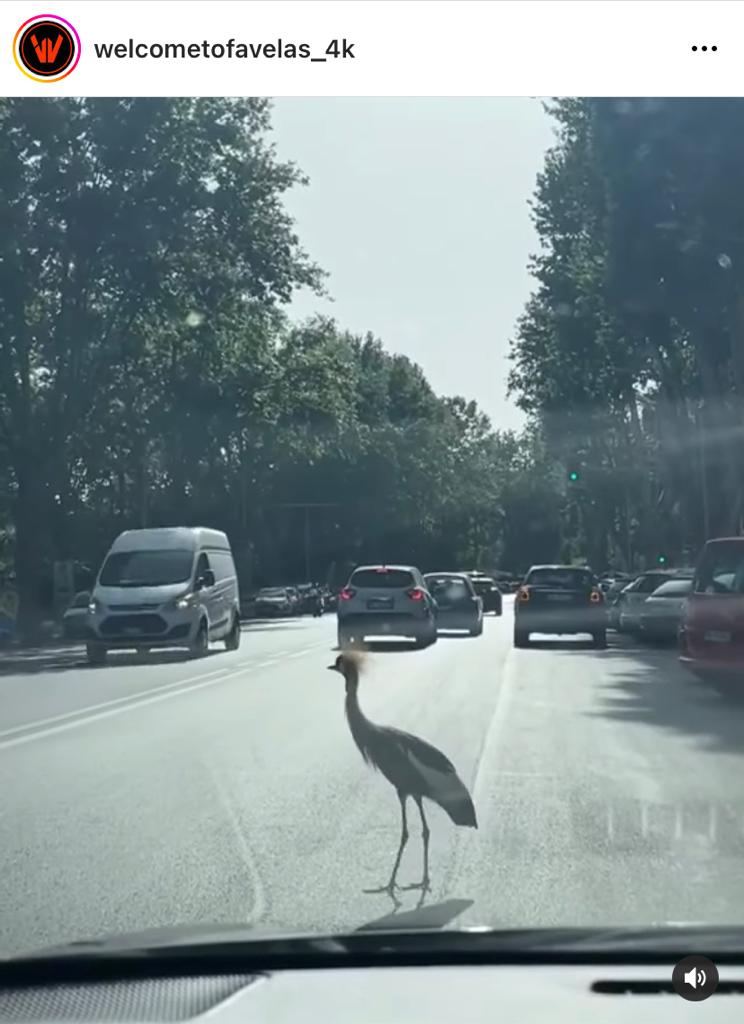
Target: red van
711	635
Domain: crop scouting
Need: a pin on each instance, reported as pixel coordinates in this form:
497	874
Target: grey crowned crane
414	767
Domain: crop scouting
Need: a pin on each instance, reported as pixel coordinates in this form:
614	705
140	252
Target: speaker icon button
695	978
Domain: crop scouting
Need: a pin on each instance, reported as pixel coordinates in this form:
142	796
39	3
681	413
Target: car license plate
715	636
559	597
132	631
380	602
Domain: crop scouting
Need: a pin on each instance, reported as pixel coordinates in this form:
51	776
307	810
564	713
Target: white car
661	613
170	587
75	618
386	600
628	606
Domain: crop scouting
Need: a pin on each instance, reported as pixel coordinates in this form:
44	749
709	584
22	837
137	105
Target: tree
124	222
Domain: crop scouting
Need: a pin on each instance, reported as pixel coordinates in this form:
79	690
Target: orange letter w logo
45	52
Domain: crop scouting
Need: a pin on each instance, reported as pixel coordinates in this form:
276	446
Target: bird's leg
424	883
390	887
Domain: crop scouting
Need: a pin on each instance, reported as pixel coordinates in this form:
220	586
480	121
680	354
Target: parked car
559	599
488	590
630	599
167	587
386	600
612	600
271	602
75	618
661	613
458	606
306	598
711	636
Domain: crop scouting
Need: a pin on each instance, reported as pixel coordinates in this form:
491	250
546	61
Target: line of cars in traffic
650	604
566	599
400	601
298	599
701	608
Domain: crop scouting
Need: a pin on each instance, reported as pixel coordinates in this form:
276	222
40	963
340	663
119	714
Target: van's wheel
96	654
600	639
477	630
232	640
200	643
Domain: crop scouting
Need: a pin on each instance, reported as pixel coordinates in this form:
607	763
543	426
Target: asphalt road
608	787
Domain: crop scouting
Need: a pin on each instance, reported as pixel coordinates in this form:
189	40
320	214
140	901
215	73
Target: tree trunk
31	543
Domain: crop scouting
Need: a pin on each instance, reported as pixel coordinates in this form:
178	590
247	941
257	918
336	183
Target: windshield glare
146	568
447	363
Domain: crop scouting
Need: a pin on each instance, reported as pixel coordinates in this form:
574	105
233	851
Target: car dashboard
474	994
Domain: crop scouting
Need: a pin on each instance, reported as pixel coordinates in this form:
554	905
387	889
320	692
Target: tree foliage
149	376
630	350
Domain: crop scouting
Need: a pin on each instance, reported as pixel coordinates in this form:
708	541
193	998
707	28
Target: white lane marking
41	722
84	719
484	774
249	859
39	727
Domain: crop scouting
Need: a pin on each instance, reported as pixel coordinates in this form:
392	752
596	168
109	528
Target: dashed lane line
71	720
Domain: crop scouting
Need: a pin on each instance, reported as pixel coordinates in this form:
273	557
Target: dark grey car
458	606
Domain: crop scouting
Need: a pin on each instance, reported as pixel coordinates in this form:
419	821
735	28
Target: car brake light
346	594
596	596
524	594
416	594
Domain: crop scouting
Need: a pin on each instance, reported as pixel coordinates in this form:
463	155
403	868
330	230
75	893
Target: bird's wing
423	752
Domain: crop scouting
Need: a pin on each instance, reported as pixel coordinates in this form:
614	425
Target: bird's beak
332	668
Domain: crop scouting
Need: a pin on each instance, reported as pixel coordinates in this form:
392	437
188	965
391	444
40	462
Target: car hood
419	933
140	595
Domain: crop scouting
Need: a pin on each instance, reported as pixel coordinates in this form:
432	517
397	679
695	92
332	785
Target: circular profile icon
46	48
695	978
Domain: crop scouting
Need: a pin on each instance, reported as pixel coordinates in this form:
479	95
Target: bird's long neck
359	725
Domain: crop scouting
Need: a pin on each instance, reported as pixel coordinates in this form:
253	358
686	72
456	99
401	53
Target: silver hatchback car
386	600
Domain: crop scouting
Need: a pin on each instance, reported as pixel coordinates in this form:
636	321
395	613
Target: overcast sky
417	208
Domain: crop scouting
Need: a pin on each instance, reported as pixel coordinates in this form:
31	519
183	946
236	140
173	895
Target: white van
170	587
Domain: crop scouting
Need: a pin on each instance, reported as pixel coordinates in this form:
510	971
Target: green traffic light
661	559
573	476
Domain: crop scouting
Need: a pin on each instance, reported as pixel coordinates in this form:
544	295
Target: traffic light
573	476
661	559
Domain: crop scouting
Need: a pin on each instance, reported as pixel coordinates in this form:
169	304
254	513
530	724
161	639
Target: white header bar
377	48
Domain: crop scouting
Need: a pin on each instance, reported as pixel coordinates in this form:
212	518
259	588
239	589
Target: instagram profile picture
46	48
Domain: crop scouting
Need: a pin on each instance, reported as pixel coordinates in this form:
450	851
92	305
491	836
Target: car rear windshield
674	588
387	579
721	570
448	588
561	579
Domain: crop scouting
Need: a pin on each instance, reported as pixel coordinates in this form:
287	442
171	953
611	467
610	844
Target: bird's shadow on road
436	915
